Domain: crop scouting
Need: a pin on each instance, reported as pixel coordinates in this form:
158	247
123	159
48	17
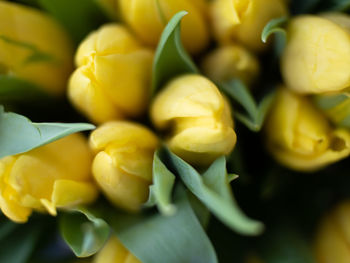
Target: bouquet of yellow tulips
174	131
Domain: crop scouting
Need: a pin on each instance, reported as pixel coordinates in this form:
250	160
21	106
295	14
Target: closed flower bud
149	17
114	252
229	62
56	175
113	75
333	236
244	20
199	118
34	47
123	163
300	137
317	55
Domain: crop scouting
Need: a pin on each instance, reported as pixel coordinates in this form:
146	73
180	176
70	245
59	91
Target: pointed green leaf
214	191
170	58
275	25
83	231
154	238
18	134
256	114
162	187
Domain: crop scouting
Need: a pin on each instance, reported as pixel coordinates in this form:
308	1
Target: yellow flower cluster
314	61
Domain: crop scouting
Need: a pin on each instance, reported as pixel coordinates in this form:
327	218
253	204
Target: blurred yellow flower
333	236
56	175
113	75
300	137
317	55
34	47
149	17
228	62
199	116
244	20
114	252
123	163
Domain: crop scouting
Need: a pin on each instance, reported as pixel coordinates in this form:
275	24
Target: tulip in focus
123	163
113	75
199	118
56	175
317	55
228	62
33	47
148	18
300	137
114	252
333	236
243	20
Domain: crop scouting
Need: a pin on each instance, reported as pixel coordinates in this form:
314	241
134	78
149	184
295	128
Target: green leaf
79	17
83	231
214	191
170	58
154	238
36	55
18	134
335	106
162	187
275	25
12	89
18	241
256	114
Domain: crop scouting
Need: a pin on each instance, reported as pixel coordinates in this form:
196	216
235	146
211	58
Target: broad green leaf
334	5
275	25
170	58
79	17
6	227
214	191
335	106
18	241
36	55
18	134
256	114
154	238
83	231
162	187
12	89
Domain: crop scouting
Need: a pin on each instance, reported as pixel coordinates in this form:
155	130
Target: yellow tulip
317	55
300	137
114	252
123	163
199	118
228	62
56	175
333	236
149	17
113	75
244	20
34	47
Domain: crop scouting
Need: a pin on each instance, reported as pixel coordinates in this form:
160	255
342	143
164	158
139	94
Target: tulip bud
300	137
333	236
115	252
123	163
113	75
34	47
244	20
149	17
199	118
317	55
56	175
228	62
